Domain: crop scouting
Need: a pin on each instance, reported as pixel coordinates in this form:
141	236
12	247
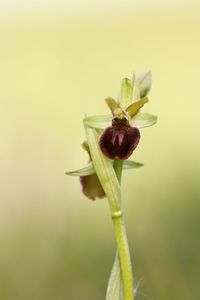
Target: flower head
120	140
114	136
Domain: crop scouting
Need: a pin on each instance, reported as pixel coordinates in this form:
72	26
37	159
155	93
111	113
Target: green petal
88	170
129	164
143	120
144	82
112	104
98	122
126	94
133	109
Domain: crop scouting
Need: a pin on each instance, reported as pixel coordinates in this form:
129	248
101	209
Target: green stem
110	184
122	245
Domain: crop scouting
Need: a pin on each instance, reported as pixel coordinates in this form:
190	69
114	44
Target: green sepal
98	122
144	82
130	164
126	95
136	94
142	120
88	170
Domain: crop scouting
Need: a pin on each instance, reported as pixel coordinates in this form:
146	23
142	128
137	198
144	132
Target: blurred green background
56	64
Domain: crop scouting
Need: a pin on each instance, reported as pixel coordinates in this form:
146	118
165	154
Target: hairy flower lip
119	140
91	187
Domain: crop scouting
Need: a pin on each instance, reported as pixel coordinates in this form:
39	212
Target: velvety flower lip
119	140
91	187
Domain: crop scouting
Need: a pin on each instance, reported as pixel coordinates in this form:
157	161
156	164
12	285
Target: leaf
115	289
133	109
129	164
126	95
98	122
142	120
88	170
144	82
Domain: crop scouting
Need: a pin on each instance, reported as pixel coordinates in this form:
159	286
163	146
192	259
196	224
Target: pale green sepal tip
104	170
88	170
115	288
144	82
129	164
134	88
98	122
142	120
126	94
136	91
133	79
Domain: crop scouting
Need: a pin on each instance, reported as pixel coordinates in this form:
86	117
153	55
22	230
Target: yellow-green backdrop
55	66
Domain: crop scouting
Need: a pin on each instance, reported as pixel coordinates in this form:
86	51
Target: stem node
117	214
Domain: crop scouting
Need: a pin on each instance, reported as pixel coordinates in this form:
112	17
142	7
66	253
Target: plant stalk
122	245
110	183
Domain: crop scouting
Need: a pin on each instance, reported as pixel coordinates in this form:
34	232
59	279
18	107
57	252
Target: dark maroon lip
119	140
91	187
